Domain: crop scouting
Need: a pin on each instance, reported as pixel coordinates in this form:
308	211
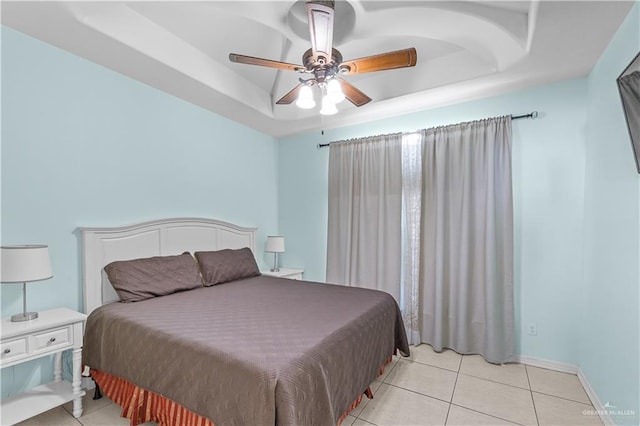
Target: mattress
257	351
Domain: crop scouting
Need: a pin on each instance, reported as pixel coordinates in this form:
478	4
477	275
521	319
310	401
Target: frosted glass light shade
25	263
334	91
275	244
305	98
328	107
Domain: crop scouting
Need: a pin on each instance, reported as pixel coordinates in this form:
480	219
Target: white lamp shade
275	244
24	263
334	91
328	107
305	98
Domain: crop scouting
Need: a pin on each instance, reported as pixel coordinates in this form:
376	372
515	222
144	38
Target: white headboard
101	246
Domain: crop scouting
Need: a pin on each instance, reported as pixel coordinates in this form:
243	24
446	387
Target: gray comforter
258	351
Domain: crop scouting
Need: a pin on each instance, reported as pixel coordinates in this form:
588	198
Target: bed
251	351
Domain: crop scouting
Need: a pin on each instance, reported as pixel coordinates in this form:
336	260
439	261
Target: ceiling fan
325	64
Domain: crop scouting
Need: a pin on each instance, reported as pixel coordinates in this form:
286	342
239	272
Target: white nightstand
53	332
292	274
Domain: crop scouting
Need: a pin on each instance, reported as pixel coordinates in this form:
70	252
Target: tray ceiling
466	49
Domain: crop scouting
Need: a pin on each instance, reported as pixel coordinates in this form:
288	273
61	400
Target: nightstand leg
57	367
77	380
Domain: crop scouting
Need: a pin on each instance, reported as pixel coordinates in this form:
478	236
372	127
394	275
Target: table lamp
23	264
275	245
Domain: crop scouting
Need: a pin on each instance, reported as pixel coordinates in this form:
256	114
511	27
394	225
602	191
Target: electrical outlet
532	329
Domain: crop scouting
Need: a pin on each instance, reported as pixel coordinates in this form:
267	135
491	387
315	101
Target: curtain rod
532	115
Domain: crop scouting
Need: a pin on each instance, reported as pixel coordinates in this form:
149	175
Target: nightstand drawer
52	339
14	348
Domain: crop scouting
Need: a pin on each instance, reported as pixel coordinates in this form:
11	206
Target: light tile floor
429	388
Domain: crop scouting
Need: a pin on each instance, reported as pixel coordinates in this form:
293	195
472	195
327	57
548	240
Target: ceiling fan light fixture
334	91
328	107
305	98
321	29
325	63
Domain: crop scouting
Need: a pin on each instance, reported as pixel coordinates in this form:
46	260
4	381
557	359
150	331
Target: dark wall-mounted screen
629	85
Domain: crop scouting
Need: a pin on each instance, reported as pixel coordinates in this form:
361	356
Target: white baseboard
550	365
593	396
572	369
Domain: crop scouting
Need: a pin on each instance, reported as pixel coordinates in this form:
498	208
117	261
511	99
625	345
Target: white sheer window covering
411	213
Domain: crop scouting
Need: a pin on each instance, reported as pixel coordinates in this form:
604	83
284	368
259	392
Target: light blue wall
548	173
85	146
611	327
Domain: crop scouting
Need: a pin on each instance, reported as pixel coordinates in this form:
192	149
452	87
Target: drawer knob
53	339
6	351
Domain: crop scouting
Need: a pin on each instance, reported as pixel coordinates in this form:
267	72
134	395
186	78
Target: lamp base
27	316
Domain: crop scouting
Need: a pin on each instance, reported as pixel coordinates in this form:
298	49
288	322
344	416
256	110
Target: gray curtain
466	239
365	203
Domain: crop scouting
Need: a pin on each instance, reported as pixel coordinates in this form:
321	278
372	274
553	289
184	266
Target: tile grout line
472	375
455	384
436	366
494	381
418	393
566	373
453	392
535	410
382	382
452	403
488	415
564	398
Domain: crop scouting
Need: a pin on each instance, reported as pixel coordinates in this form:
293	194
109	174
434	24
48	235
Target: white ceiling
466	49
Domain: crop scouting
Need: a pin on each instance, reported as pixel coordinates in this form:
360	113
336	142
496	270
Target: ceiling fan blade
243	59
384	61
354	95
320	15
291	96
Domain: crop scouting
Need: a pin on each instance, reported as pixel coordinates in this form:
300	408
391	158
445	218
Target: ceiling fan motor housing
321	69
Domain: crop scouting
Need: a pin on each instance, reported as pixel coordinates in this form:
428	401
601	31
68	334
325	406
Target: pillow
140	279
226	265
